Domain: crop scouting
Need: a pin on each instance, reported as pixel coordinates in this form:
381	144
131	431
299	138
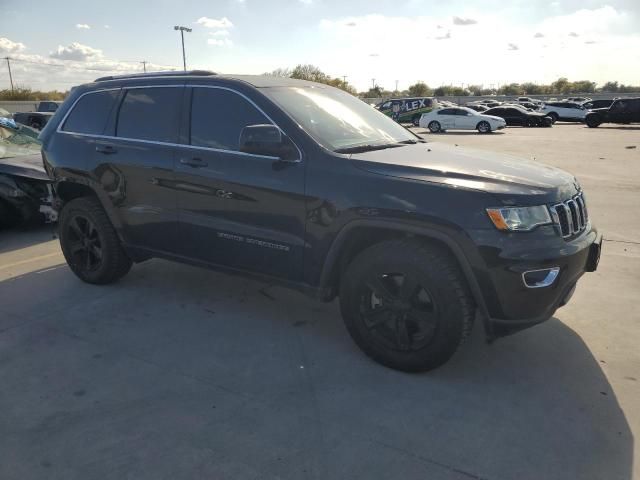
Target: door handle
106	149
193	162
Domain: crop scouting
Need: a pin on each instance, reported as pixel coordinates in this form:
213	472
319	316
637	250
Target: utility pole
182	30
9	67
344	79
373	83
144	65
396	85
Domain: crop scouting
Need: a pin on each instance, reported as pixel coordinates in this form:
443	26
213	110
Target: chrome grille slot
571	216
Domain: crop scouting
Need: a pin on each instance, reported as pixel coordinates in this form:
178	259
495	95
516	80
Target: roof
258	81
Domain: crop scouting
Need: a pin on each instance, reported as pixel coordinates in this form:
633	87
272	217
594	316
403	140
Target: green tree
309	72
511	89
375	92
420	89
610	87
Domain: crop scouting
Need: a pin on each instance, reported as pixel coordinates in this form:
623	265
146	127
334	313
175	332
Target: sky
58	44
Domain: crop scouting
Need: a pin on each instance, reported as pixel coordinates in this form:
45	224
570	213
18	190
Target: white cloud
107	27
306	2
220	33
464	21
82	26
220	42
207	22
538	35
76	52
513	46
7	46
573	34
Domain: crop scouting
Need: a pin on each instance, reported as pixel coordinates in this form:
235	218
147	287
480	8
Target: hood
28	166
458	167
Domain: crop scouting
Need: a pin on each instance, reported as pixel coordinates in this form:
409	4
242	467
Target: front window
338	120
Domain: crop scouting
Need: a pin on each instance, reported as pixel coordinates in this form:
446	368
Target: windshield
338	120
17	139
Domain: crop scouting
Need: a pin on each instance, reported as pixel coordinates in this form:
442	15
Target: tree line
562	86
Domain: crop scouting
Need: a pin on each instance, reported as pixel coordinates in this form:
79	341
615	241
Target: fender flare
336	246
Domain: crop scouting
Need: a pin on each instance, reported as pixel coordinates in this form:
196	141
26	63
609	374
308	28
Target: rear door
134	164
236	209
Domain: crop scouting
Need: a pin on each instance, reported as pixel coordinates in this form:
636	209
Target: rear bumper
512	304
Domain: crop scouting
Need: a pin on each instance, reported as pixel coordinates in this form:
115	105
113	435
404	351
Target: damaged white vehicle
25	189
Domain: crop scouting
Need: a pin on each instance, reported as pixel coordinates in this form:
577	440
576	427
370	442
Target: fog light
540	278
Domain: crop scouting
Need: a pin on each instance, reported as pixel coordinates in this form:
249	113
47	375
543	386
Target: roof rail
166	73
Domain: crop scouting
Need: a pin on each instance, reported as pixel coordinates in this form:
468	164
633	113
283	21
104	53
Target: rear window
91	112
150	114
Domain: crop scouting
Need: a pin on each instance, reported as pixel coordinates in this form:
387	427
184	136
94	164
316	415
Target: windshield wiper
367	148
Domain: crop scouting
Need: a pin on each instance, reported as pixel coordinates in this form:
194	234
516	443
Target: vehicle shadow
17	238
532	406
458	133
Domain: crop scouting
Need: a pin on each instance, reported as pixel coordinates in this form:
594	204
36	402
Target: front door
237	209
465	120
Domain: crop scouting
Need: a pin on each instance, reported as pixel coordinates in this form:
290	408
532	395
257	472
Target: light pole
182	30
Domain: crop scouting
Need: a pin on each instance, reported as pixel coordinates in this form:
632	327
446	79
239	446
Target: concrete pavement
179	372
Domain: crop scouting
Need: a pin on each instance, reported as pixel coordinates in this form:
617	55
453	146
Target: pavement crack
431	461
631	242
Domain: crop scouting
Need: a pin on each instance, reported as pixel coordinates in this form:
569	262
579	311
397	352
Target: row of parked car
490	114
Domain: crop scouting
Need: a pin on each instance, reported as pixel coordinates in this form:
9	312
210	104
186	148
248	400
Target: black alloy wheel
398	311
84	243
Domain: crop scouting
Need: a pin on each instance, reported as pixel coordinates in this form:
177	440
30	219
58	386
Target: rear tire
593	121
435	127
90	243
406	304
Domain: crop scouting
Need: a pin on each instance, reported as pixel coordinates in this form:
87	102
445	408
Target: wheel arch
360	234
68	188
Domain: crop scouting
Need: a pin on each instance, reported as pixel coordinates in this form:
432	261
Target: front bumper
511	304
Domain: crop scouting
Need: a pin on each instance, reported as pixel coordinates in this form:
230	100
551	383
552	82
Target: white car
460	118
567	111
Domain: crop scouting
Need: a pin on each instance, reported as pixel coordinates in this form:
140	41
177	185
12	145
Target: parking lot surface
179	372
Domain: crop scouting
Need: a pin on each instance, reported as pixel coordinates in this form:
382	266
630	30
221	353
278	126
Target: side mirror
265	140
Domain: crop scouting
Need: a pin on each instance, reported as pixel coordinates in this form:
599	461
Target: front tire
435	127
416	120
553	116
90	243
406	304
484	127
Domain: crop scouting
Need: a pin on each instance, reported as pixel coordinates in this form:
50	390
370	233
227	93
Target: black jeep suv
306	185
622	110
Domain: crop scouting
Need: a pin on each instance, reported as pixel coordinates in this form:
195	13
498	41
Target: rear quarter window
89	115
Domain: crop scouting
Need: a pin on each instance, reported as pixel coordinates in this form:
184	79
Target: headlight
520	219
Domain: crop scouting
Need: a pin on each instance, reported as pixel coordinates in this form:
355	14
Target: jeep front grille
571	216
